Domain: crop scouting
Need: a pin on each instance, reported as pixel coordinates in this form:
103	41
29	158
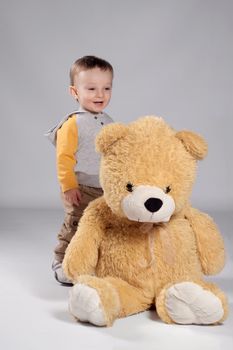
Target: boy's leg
73	214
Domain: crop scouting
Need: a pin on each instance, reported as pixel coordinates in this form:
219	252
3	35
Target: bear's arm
210	243
82	253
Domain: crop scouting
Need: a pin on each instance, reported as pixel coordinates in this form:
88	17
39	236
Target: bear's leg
192	303
101	300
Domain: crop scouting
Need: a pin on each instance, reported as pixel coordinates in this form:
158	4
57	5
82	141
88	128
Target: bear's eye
129	187
168	189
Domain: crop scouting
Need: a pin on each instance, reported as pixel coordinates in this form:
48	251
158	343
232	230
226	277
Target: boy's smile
92	88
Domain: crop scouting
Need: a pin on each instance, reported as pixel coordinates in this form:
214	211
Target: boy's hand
73	196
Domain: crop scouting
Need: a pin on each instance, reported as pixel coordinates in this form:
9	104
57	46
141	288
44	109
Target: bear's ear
110	134
193	143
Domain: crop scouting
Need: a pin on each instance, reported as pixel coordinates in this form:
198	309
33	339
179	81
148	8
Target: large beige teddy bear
141	244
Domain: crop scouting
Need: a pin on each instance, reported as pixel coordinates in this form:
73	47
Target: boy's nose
100	93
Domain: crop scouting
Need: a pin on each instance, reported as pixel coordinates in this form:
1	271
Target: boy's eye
91	89
108	88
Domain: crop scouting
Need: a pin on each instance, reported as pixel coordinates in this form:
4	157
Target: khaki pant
73	214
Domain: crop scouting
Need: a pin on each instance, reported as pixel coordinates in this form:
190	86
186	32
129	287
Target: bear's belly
127	256
162	254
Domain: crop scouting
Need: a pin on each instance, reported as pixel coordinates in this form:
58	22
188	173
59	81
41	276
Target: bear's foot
86	306
189	303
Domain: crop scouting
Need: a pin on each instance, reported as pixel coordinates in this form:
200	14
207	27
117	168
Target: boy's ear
194	143
73	91
110	134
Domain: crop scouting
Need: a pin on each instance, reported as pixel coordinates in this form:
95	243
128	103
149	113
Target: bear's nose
153	204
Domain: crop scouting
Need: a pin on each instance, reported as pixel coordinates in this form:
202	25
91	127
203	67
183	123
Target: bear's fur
142	244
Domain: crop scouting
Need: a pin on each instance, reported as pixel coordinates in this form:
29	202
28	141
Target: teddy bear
142	245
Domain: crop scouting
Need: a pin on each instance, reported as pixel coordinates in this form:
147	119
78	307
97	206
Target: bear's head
147	168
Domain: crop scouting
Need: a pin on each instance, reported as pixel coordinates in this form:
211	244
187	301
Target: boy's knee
71	222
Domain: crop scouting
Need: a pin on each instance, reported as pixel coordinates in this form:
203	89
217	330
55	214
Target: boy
77	162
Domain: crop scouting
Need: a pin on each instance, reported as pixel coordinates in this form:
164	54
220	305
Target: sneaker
59	274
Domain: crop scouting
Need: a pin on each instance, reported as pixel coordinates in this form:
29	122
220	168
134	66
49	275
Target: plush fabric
142	244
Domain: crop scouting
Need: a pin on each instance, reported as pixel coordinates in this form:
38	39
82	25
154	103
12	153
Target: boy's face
93	89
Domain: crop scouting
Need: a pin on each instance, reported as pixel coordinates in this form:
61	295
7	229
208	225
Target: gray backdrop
171	58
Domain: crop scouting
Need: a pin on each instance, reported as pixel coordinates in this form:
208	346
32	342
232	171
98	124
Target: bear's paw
189	303
85	305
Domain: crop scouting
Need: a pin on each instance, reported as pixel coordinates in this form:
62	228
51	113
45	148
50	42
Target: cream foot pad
85	305
189	303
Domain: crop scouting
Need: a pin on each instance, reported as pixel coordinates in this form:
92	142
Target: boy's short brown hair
88	62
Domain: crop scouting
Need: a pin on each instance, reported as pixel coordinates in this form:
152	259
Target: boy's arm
66	147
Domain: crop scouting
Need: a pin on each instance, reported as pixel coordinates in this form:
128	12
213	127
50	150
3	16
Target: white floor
33	306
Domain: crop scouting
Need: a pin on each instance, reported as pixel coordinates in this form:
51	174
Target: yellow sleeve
66	147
